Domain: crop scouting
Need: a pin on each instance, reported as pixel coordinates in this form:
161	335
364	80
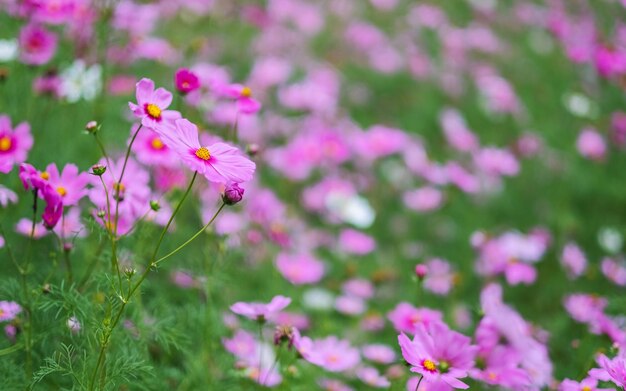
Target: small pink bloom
424	199
372	377
591	144
186	81
355	242
333	354
245	103
259	311
350	305
440	277
406	318
14	143
573	260
37	45
7	196
9	310
300	268
381	354
151	106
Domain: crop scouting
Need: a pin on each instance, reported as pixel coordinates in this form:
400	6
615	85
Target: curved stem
107	336
117	189
273	365
191	238
418	383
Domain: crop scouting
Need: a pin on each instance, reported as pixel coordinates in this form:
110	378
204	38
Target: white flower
318	299
79	82
610	240
580	105
8	50
353	209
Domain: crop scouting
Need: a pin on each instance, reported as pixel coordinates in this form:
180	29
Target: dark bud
232	194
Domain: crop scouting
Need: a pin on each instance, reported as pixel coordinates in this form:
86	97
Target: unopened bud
101	214
253	149
232	194
421	270
91	127
154	205
283	334
98	169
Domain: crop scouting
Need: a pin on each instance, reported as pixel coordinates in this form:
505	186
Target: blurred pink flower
14	143
37	45
333	354
573	260
186	81
9	310
300	268
591	144
440	277
406	318
260	311
355	242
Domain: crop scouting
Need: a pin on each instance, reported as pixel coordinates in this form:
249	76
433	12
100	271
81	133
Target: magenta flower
70	184
333	354
260	311
219	162
152	104
186	81
232	194
9	310
438	353
37	45
588	384
14	143
54	207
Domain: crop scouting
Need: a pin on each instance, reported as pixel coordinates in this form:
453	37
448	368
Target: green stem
191	239
107	336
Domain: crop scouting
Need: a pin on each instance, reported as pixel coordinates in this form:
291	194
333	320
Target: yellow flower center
246	92
586	388
203	153
429	365
62	191
153	110
5	143
119	187
44	175
157	143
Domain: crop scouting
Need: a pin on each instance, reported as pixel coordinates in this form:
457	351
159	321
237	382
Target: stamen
203	153
62	191
429	365
44	175
157	144
153	110
5	143
246	92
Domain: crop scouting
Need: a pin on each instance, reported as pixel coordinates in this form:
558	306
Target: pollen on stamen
246	92
157	144
203	153
44	175
5	143
62	191
429	365
153	110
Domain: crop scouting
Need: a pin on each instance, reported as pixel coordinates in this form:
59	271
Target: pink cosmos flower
406	318
379	353
372	377
358	287
573	260
259	311
14	143
246	104
9	310
440	277
7	196
24	227
591	144
186	81
219	162
70	226
614	270
496	162
151	106
150	149
424	199
613	370
70	184
37	45
587	384
333	354
300	268
438	353
457	134
355	242
350	305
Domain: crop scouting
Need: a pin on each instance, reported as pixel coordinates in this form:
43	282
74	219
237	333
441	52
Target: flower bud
91	127
283	334
154	205
98	169
101	214
232	194
253	149
421	270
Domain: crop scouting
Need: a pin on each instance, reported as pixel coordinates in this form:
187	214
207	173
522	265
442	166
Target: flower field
312	194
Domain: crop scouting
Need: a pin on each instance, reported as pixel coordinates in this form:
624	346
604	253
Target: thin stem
418	383
117	189
10	252
118	316
260	350
273	365
66	257
191	238
101	146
